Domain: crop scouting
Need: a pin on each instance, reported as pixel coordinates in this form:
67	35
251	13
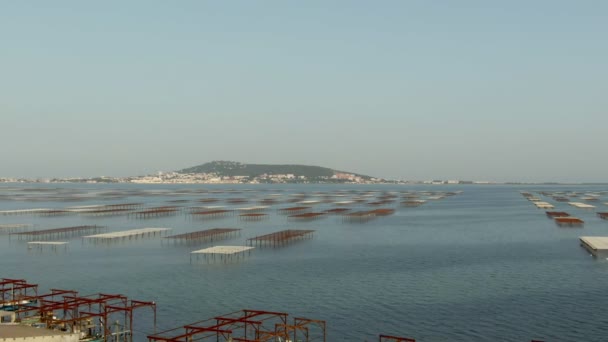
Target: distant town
210	178
229	172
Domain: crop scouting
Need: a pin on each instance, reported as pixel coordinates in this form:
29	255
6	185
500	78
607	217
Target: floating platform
554	214
52	244
581	205
595	244
155	212
544	205
24	211
209	234
569	221
128	234
413	203
223	253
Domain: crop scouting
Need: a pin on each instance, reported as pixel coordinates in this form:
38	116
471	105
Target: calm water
485	265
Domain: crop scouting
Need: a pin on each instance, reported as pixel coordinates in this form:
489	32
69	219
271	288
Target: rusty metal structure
603	216
253	216
280	238
213	234
335	211
554	214
383	211
105	317
412	203
211	214
247	326
14	291
294	210
569	221
388	338
156	212
65	232
307	216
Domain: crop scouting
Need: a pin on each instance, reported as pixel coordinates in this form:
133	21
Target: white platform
223	250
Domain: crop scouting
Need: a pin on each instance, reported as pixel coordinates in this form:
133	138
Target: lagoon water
484	265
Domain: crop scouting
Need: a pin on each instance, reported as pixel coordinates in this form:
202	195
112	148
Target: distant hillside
230	169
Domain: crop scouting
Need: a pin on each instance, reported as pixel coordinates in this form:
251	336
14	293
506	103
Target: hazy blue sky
493	90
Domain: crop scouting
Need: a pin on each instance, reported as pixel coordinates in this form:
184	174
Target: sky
412	90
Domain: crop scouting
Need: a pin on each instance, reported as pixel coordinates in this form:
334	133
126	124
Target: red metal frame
387	338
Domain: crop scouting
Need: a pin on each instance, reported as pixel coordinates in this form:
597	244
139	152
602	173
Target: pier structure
412	203
254	209
543	205
252	216
383	211
307	216
294	210
209	200
380	202
247	326
280	238
358	217
214	234
24	211
337	211
222	253
603	215
65	232
268	201
156	212
131	206
127	234
211	213
309	202
569	221
581	205
55	212
53	245
15	227
388	338
340	203
237	200
554	214
106	212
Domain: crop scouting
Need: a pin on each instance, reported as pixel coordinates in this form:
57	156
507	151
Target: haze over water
479	266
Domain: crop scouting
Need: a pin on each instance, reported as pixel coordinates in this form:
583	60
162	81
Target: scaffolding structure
156	212
253	216
307	216
66	232
105	317
246	326
213	234
280	238
14	292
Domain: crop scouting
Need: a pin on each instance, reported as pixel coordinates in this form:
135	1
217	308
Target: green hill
230	168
